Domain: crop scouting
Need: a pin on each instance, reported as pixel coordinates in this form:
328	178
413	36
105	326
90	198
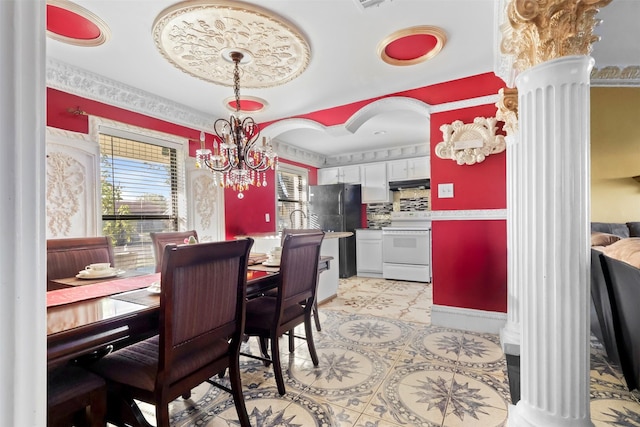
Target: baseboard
468	319
368	274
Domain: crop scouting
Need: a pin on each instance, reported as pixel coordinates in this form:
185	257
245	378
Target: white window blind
292	193
139	186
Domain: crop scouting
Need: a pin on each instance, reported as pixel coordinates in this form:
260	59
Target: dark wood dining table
84	327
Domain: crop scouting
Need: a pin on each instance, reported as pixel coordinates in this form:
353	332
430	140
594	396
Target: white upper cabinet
415	168
337	175
375	185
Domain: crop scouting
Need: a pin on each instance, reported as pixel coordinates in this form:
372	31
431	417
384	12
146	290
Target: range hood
413	184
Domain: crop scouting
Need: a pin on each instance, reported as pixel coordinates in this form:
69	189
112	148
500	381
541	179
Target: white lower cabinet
369	252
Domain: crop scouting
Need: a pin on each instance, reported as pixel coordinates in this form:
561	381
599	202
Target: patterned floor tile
383	365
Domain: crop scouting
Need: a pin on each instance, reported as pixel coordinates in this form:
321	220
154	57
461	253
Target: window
292	193
139	187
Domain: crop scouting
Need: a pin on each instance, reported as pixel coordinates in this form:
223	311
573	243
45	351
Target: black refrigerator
337	207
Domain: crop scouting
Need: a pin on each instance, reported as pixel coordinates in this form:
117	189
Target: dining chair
66	257
161	239
269	317
602	307
623	284
201	319
286	231
75	396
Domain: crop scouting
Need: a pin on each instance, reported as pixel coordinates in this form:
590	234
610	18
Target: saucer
271	264
154	288
110	272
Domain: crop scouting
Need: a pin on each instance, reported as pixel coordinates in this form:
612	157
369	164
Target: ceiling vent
365	4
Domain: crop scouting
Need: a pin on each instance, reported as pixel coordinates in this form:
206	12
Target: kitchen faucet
294	211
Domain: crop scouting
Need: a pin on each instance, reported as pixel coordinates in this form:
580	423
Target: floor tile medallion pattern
383	365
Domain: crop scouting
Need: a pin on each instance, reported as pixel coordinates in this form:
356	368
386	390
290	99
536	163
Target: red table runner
97	290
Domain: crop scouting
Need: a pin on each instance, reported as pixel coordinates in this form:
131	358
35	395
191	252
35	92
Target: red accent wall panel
470	264
479	186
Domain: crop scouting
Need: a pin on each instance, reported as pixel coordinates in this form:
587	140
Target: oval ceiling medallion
69	23
412	45
248	104
197	35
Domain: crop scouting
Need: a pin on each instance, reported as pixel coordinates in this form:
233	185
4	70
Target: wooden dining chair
202	310
286	231
269	317
66	257
75	396
162	239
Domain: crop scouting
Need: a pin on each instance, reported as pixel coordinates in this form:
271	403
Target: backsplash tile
379	214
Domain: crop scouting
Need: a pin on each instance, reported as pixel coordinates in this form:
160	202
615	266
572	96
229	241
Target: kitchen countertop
327	235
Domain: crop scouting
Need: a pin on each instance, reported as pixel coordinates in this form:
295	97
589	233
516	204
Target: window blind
292	193
139	189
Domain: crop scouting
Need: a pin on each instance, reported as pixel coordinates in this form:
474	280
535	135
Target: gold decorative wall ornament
470	143
541	30
198	36
508	111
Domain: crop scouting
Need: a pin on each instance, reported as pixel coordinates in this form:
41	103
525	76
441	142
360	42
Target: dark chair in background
75	396
602	307
202	310
623	284
162	239
66	257
269	317
286	231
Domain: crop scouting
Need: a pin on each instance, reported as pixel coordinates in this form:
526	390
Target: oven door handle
340	202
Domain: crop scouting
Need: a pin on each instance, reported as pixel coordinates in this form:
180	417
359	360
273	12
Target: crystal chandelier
239	160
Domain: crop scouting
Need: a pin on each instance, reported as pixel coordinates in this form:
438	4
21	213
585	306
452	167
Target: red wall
469	257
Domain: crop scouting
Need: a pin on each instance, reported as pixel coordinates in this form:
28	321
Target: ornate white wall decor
206	205
65	184
72	193
470	143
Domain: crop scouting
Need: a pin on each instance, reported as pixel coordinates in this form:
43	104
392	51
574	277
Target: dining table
88	317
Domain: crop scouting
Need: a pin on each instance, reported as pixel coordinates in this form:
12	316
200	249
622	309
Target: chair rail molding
470	143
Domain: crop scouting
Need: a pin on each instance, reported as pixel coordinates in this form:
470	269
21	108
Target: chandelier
240	159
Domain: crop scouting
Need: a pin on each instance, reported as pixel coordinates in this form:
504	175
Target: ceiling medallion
72	24
412	46
197	35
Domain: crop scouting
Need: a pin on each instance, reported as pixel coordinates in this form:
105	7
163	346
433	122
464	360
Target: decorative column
553	232
508	113
548	200
23	357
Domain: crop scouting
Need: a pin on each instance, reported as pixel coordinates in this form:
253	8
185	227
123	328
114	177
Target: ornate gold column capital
537	31
508	111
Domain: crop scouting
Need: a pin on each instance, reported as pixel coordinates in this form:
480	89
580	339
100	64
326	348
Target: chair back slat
202	298
162	239
66	257
299	268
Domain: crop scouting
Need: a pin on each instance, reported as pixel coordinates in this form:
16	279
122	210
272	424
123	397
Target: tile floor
382	364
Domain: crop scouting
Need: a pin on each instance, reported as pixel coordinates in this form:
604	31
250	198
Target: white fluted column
554	121
516	264
23	357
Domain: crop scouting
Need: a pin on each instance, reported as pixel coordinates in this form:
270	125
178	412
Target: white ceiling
344	66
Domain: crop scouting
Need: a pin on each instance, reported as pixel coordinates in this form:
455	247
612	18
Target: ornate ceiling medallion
197	35
412	46
72	24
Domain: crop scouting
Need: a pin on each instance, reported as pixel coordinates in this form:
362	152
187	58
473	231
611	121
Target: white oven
406	247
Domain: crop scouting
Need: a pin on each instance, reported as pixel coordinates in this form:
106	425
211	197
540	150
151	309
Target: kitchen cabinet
415	168
369	252
337	175
375	185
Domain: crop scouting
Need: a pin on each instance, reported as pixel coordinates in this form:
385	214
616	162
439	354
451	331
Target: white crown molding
469	215
378	155
89	85
289	152
465	103
616	75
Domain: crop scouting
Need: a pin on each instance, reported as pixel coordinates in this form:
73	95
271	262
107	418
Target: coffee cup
98	266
